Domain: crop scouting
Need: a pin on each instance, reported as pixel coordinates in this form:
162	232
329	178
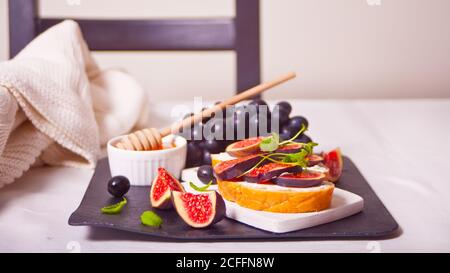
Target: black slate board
373	222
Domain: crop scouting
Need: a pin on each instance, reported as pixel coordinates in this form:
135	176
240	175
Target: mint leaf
204	188
151	219
115	208
270	144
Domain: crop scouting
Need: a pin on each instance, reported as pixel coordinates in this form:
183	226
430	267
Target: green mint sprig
150	218
115	208
272	143
299	159
203	188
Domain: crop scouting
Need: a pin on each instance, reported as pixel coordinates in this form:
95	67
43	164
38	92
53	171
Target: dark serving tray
374	221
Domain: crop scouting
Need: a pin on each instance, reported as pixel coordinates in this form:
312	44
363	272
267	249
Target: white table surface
401	147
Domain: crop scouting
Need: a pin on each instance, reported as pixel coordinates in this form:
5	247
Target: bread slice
273	198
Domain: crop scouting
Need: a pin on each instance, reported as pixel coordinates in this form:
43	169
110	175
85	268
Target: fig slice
290	148
302	179
230	169
269	171
244	147
314	159
199	210
333	161
161	187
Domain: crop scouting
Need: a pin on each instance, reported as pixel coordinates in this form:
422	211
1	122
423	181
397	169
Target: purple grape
296	123
207	157
118	186
212	146
303	139
253	126
286	106
257	102
197	132
286	132
221	113
194	155
281	115
205	174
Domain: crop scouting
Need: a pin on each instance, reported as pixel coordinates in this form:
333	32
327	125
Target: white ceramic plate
344	204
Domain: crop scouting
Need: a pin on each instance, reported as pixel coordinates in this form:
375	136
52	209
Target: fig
199	210
314	159
230	169
269	171
290	148
161	187
333	161
302	179
244	147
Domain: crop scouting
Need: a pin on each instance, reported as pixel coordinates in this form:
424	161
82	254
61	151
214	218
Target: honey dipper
151	139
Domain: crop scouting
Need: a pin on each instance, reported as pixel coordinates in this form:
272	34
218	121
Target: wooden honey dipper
151	139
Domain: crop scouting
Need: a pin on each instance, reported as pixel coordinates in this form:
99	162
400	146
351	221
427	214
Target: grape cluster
213	134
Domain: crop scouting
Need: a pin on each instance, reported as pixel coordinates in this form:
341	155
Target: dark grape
241	126
205	118
207	157
212	146
303	139
253	126
286	106
240	111
286	132
284	136
257	105
197	132
281	115
296	123
218	114
219	129
257	102
194	155
118	186
205	173
229	128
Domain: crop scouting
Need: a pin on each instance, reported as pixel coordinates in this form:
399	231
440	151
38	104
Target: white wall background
339	48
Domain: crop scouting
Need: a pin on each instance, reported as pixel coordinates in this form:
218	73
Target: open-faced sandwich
266	174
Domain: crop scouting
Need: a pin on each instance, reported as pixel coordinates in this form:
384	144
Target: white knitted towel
56	104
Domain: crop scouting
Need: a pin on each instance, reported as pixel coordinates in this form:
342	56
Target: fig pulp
162	185
244	147
269	171
302	179
333	160
199	210
314	159
290	148
230	169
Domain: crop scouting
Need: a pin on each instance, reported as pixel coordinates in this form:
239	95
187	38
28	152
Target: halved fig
161	187
233	168
314	159
269	171
290	148
302	179
244	147
333	160
199	210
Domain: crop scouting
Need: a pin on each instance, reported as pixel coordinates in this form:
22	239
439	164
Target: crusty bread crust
272	199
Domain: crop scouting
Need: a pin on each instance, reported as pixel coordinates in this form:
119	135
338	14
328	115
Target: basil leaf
149	218
115	208
270	144
204	188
